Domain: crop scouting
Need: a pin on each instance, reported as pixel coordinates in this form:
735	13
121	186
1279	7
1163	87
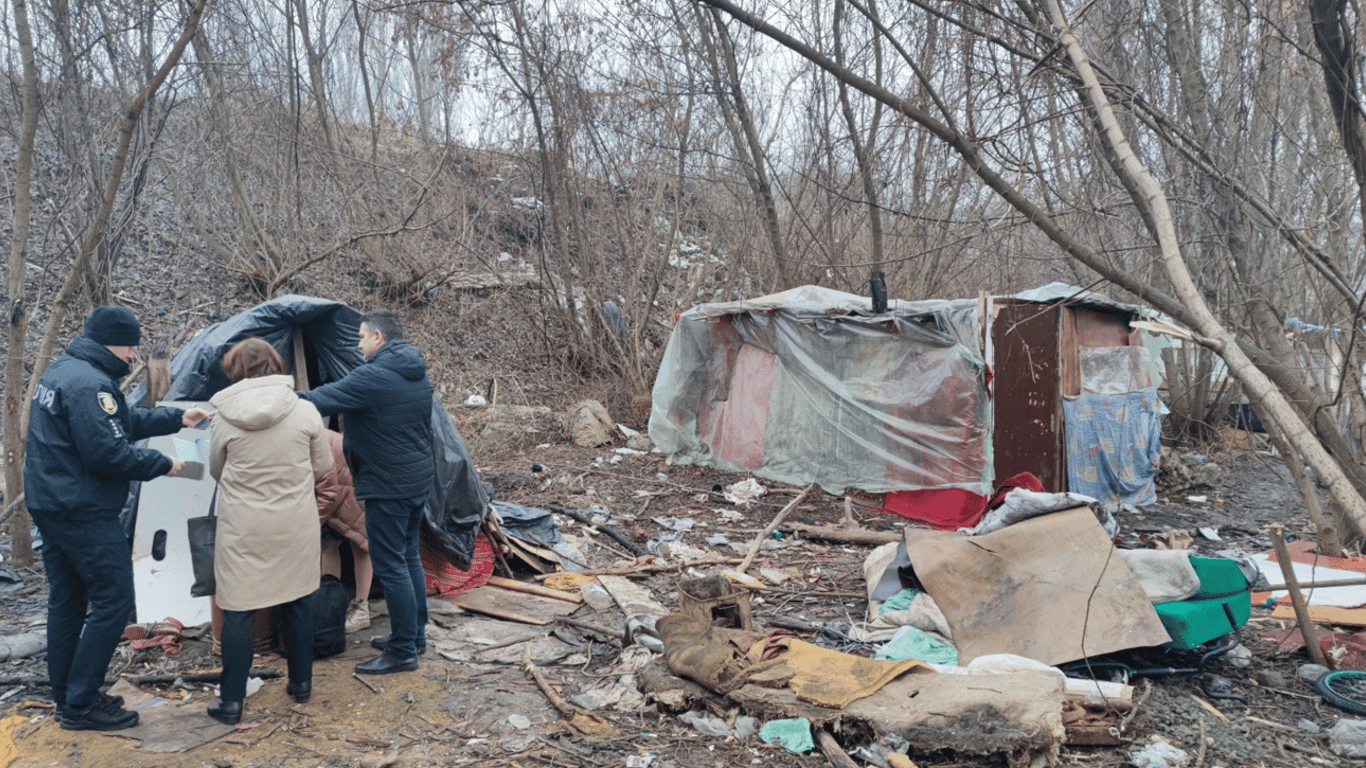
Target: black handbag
202	532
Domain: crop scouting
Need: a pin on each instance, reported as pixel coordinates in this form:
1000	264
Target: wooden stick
1276	532
1320	584
367	684
640	569
773	526
1210	707
556	700
833	751
844	535
535	589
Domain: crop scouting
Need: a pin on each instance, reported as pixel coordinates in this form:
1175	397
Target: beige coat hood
254	404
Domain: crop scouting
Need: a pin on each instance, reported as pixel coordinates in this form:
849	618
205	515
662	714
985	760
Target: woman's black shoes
226	712
301	692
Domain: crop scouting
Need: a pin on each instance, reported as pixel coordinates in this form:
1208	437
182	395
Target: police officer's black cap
113	327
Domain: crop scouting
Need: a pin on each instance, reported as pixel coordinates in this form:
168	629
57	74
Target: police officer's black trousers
89	566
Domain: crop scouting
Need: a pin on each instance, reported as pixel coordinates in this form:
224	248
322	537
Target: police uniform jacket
80	454
388	431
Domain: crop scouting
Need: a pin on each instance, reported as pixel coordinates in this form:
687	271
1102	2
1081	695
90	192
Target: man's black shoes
382	643
102	699
226	712
100	716
301	692
387	663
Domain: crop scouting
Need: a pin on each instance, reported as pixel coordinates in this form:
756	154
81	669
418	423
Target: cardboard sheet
1327	605
1052	588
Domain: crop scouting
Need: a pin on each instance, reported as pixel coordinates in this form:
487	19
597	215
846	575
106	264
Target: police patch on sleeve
108	403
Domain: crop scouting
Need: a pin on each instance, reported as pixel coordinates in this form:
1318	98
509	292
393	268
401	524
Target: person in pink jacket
343	519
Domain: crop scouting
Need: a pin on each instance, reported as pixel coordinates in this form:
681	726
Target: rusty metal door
1028	373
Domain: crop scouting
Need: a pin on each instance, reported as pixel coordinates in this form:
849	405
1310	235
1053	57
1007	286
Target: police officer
80	457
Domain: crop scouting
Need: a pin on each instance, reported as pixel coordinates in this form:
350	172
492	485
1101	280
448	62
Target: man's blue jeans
393	527
89	565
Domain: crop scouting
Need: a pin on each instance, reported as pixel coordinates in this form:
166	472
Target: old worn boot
358	616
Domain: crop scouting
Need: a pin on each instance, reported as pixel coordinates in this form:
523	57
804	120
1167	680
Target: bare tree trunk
15	386
1186	305
61	305
730	96
1259	388
861	148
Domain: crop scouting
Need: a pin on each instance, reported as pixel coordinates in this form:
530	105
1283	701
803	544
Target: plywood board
1051	588
164	504
513	606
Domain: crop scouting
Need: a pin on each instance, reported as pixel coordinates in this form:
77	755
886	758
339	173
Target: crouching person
268	447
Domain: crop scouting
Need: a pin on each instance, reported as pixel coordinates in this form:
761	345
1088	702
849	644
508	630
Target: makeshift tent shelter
812	386
317	339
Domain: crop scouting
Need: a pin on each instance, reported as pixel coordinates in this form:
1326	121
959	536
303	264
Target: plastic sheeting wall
810	386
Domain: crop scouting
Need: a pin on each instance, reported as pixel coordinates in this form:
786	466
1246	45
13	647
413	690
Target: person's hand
195	416
176	466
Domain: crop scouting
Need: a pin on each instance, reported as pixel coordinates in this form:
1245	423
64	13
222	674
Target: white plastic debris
476	400
744	492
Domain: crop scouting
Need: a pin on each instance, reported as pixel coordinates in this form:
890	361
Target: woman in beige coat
267	447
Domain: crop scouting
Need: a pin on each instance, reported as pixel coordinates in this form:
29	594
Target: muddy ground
472	703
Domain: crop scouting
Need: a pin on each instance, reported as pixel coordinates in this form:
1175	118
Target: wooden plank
633	599
513	606
300	362
535	589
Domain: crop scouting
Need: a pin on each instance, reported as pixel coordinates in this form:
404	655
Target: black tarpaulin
459	500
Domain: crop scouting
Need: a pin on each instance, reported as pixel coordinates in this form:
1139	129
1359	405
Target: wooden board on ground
633	599
513	606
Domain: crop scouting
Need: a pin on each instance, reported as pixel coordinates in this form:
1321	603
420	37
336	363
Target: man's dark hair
385	322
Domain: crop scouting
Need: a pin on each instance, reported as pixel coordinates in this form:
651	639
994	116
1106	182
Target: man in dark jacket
78	462
387	439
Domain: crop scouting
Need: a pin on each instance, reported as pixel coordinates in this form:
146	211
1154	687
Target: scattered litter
520	722
793	734
912	643
629	452
743	492
1240	656
679	524
627	431
1159	754
1198	499
1210	533
640	761
746	726
717	540
22	646
596	596
731	515
1307	725
742	578
1312	672
1347	738
568	580
477	401
708	725
774	576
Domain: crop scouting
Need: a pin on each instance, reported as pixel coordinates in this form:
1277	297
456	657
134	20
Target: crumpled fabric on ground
725	660
164	634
